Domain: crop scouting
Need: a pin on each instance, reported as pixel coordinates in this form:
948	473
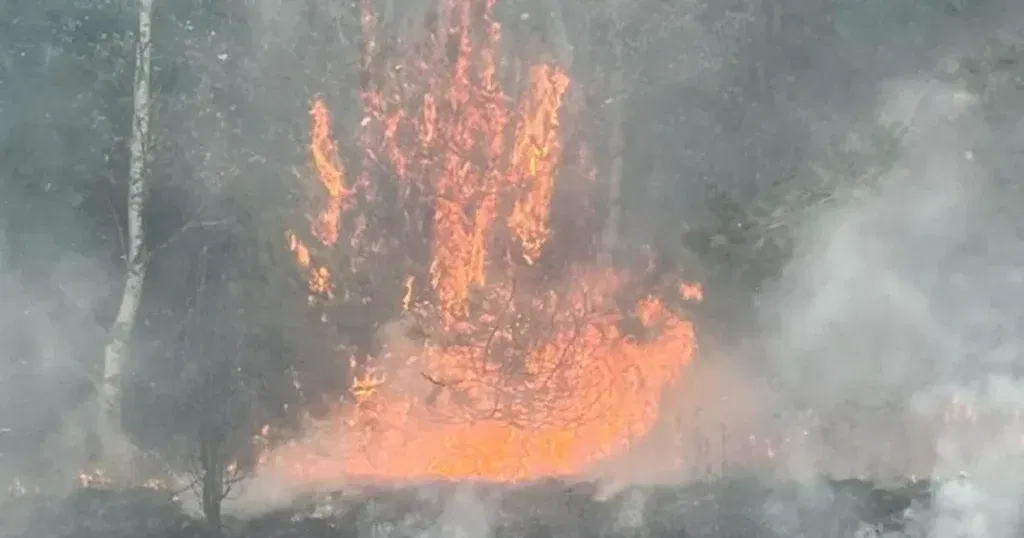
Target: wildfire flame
518	376
535	158
331	173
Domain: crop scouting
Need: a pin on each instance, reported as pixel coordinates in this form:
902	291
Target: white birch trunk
110	432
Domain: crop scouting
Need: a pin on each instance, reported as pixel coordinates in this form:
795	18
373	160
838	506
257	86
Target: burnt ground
728	508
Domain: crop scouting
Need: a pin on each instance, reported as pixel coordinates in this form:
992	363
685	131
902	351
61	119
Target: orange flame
465	205
535	158
331	174
511	381
327	223
528	409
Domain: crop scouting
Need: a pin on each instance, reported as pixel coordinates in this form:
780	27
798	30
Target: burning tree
515	355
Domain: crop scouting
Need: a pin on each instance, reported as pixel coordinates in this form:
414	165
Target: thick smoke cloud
881	278
898	320
55	267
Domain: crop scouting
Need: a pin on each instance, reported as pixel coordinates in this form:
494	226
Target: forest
440	263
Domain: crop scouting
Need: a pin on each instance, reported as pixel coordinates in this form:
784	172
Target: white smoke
898	318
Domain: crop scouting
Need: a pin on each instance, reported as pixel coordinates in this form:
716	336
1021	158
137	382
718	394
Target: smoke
900	304
717	420
891	343
46	339
870	279
52	283
898	320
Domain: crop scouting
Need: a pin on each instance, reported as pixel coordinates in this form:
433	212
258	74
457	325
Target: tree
616	88
114	444
218	397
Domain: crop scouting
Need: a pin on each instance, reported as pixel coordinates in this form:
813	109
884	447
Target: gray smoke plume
898	321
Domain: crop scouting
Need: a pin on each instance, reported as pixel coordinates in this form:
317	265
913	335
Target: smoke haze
898	319
890	345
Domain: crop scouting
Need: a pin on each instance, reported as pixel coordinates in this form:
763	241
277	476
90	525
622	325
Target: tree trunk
558	34
213	469
111	436
616	143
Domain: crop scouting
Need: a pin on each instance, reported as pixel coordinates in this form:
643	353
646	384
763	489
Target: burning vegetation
513	356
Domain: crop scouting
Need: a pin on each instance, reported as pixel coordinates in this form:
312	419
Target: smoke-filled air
511	268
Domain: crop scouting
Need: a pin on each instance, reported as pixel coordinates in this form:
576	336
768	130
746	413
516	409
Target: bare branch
192	225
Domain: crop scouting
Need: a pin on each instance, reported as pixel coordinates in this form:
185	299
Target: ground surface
734	508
